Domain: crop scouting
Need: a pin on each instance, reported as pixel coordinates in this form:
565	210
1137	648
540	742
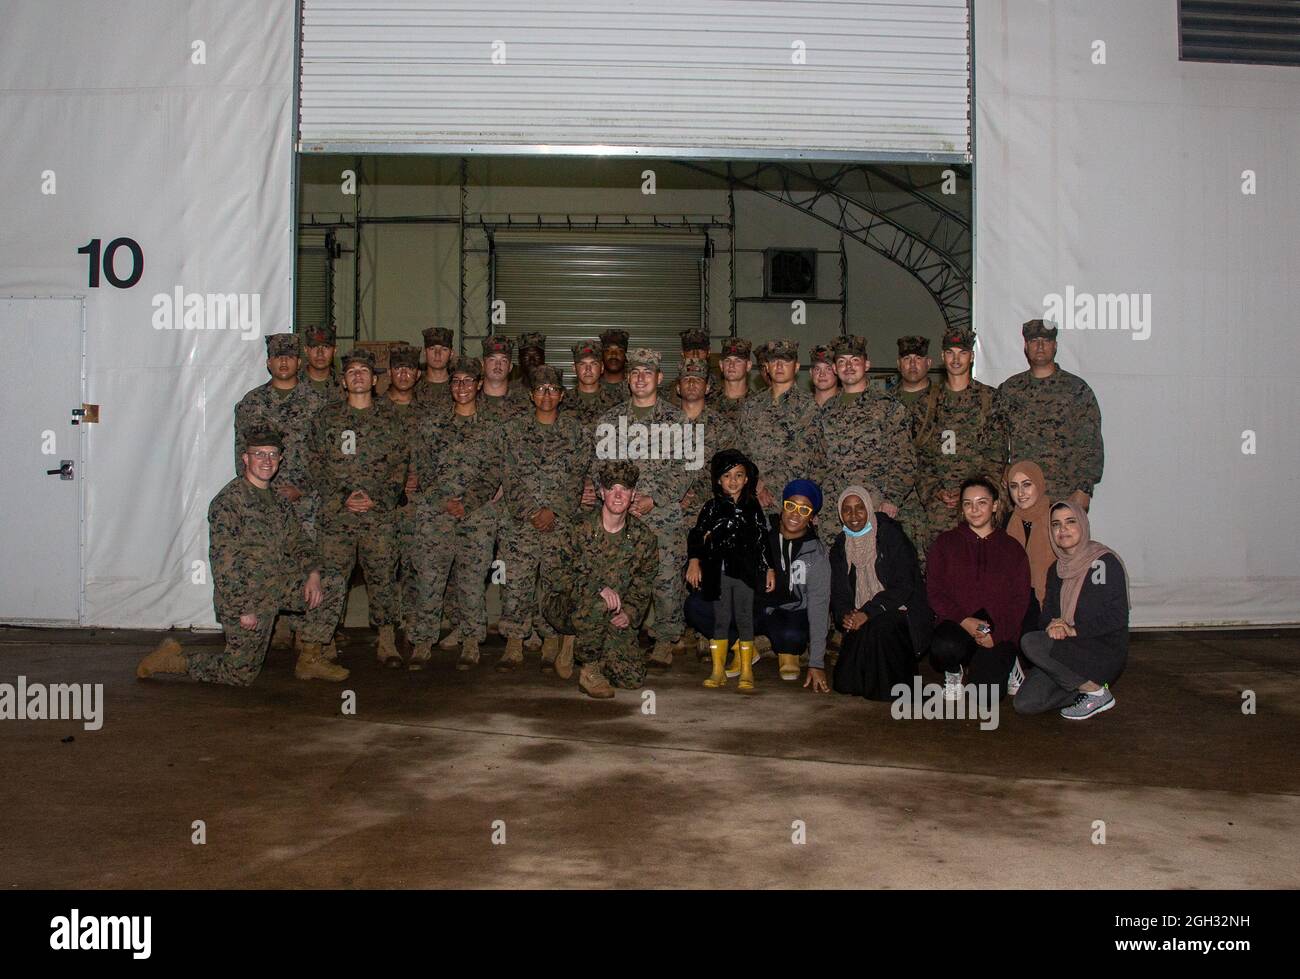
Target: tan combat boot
593	683
312	666
468	654
387	648
330	652
167	658
450	641
550	653
661	657
420	656
513	658
564	661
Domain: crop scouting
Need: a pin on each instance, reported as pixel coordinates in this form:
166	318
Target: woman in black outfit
1083	645
877	599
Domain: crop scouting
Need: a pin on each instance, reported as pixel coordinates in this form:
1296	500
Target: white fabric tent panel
1127	177
701	74
194	162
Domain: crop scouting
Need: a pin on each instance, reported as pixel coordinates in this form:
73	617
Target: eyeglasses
462	381
803	509
546	389
272	455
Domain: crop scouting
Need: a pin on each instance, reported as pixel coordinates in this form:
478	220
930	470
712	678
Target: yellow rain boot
733	668
789	665
746	667
718	652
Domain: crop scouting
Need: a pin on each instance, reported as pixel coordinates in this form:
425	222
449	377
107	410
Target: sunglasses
803	509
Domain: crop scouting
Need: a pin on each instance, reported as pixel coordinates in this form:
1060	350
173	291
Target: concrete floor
703	793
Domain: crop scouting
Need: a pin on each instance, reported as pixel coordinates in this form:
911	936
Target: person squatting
851	530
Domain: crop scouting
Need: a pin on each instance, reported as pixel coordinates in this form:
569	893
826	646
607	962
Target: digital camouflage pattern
290	413
867	440
446	558
782	437
589	560
543	469
260	561
361	449
666	481
586	409
1054	421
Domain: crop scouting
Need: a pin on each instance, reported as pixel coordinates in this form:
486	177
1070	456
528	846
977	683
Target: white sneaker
1016	678
952	686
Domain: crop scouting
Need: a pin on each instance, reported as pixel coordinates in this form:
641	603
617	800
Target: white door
40	494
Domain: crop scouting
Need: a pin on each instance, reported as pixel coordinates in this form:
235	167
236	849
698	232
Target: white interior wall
1127	177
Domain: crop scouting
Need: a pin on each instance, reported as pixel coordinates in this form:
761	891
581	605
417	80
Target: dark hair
978	481
727	459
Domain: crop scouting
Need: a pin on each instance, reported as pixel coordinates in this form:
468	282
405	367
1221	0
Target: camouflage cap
693	367
282	345
585	349
264	436
614	338
360	355
737	347
694	340
319	336
467	365
822	354
849	346
545	374
404	355
617	472
644	357
531	341
497	345
437	336
959	336
783	349
1033	329
907	346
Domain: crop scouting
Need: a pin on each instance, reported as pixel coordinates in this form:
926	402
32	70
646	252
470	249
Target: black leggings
735	602
952	647
788	630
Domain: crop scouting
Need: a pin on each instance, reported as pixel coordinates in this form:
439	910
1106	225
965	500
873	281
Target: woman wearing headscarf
877	599
1028	526
1083	643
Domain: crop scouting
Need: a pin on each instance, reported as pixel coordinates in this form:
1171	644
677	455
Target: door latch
64	471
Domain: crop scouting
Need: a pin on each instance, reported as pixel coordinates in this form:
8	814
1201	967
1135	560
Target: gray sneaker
1088	704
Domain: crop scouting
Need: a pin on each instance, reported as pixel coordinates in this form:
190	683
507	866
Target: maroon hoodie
965	573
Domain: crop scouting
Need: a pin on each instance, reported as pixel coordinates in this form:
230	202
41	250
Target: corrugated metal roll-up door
314	283
573	287
801	79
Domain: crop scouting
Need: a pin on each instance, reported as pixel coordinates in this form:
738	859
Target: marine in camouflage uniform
957	437
695	346
613	351
664	480
867	440
823	354
914	364
731	406
400	401
261	563
589	560
531	349
458	461
780	432
319	345
362	447
1054	420
588	406
719	430
437	350
540	476
516	400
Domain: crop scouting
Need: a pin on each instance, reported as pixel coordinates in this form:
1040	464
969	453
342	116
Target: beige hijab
861	551
1039	546
1075	568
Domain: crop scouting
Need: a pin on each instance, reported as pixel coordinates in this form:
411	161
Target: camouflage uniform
912	513
1054	421
456	456
590	559
868	441
377	465
665	481
290	413
434	392
540	472
782	435
260	562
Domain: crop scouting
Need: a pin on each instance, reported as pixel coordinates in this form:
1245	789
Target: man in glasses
261	564
544	471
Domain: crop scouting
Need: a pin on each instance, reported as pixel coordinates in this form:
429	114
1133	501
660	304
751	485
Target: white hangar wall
194	162
1127	177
